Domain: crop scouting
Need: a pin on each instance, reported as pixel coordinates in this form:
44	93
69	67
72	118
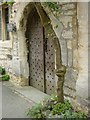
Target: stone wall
68	36
71	32
68	41
21	73
69	46
6	55
82	81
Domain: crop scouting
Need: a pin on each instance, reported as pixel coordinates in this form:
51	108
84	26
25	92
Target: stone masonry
72	35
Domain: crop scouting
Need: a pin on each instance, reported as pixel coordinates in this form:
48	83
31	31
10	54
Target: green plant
54	97
71	114
49	102
36	111
48	109
9	2
61	107
2	70
5	77
53	6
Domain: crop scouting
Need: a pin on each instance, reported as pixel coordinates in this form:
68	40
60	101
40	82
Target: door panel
42	61
36	53
50	68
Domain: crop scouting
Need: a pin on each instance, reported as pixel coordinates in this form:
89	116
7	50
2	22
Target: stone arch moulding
45	20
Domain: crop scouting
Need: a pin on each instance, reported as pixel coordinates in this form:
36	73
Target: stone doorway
41	56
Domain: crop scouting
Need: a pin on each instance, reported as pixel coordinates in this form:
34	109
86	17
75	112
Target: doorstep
28	92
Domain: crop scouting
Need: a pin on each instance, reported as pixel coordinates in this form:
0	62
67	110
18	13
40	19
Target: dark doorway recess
41	56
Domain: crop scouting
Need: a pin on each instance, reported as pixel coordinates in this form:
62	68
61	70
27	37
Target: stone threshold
29	93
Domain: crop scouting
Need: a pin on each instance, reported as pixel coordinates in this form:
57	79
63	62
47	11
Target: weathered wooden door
41	57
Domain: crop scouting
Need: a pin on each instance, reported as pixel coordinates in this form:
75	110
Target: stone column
60	83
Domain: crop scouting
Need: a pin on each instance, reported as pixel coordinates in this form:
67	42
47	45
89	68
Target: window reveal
6	22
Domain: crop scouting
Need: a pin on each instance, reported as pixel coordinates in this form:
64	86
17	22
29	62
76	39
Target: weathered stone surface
66	21
70	78
82	87
72	35
69	92
82	81
82	101
69	44
15	63
5	51
68	6
75	58
69	13
64	52
70	57
78	106
67	34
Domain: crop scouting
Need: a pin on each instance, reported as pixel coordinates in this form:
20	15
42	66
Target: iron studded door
36	53
42	58
50	68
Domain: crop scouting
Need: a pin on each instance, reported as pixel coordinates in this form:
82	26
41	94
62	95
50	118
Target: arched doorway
41	56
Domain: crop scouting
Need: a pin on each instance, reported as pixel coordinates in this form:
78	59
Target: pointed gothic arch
45	20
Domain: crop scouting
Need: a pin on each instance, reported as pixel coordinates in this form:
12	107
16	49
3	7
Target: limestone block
82	85
69	44
71	77
66	21
3	57
16	66
67	34
83	102
70	57
70	93
78	105
69	13
6	44
75	58
24	82
68	6
64	52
